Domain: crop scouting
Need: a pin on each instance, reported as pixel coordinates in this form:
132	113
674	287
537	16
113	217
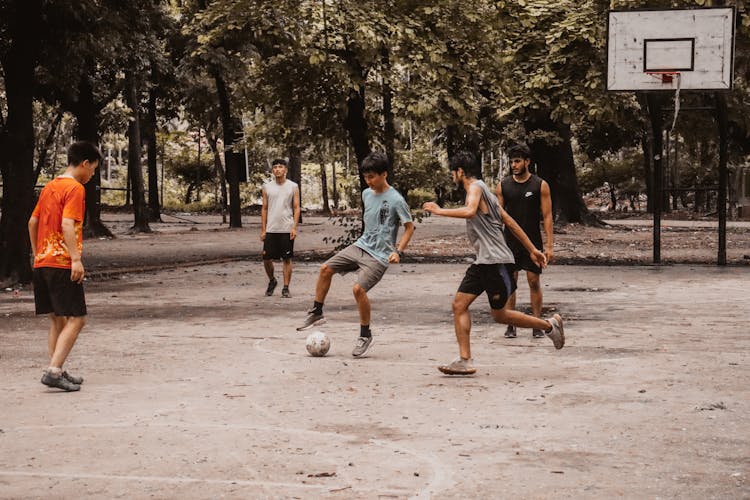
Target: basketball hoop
664	76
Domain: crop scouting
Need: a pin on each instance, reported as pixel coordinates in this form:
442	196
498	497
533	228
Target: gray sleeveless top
485	232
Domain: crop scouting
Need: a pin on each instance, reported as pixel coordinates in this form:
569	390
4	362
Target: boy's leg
268	266
66	340
553	327
462	322
363	304
535	295
287	272
325	276
510	331
56	325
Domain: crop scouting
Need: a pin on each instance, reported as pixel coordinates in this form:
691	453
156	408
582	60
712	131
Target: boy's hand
76	271
430	206
262	236
549	253
293	234
539	258
394	258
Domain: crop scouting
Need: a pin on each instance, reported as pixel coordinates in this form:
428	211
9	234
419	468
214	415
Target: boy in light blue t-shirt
384	211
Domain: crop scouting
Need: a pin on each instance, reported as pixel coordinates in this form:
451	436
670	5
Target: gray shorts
352	258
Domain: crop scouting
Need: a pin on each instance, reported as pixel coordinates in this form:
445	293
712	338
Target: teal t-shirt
383	214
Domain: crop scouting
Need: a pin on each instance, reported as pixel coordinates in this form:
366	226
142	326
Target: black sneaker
271	287
72	378
538	334
59	382
285	293
510	332
313	318
363	343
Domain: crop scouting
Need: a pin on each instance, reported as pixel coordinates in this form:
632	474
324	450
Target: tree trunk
87	129
335	189
355	124
555	164
135	172
154	210
212	142
228	124
389	126
324	185
295	169
17	143
44	150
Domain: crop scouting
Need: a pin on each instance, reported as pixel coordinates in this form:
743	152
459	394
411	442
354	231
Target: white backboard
697	43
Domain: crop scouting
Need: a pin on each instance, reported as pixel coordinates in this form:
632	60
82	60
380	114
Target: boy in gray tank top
484	227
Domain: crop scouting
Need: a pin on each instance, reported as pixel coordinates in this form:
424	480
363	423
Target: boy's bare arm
296	207
263	215
71	245
473	197
546	206
33	230
401	245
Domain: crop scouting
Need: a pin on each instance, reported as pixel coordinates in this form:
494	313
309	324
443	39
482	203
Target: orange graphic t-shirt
62	198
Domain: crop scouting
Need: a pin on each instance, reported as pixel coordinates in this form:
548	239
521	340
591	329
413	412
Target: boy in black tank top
526	198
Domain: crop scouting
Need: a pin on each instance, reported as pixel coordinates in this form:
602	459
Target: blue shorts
495	279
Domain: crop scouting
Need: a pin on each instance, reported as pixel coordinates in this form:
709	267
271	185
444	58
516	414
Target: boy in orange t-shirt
55	230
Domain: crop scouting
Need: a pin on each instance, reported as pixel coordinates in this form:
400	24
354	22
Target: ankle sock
364	331
318	307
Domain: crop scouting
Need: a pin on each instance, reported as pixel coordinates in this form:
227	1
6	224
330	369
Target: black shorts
523	261
495	279
55	293
278	246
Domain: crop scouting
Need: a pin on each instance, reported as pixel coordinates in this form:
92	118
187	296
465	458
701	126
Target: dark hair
377	162
519	151
80	151
468	162
279	161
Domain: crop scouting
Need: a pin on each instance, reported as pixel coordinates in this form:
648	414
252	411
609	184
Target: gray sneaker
510	332
363	343
311	320
557	334
59	382
72	378
459	366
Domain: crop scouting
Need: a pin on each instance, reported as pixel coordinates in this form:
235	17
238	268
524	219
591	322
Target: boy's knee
458	306
325	270
77	321
535	282
358	290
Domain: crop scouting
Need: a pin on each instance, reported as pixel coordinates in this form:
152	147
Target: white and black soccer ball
318	344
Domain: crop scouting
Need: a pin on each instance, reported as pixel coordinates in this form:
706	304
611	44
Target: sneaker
285	293
510	332
59	382
459	366
556	334
271	287
72	378
537	333
312	319
363	343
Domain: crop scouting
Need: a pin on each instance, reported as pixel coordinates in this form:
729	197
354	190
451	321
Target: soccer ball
318	344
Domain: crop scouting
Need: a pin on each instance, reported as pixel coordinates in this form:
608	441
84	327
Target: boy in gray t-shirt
488	274
384	210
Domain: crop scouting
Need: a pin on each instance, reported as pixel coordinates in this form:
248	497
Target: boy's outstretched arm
473	196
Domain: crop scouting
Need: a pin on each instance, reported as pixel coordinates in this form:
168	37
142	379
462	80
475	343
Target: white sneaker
556	334
459	366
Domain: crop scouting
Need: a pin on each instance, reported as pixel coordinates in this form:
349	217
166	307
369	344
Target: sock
550	327
318	307
272	280
55	372
364	331
286	287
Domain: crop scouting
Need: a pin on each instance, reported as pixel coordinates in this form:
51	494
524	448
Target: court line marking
440	477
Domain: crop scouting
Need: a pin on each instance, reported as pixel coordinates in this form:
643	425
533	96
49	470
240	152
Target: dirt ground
198	386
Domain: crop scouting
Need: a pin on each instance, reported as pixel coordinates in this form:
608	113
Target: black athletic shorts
278	246
55	293
495	279
523	261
